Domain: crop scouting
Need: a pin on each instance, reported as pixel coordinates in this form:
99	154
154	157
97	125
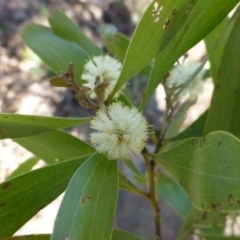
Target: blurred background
25	89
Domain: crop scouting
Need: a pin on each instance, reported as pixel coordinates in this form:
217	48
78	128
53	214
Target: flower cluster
181	73
120	131
101	69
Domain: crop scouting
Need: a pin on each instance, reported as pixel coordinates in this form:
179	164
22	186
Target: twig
150	164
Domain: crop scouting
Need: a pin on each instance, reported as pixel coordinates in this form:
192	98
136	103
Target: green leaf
123	235
117	235
218	237
188	225
187	25
23	196
177	121
68	30
124	98
211	42
24	167
224	111
207	222
145	43
117	44
55	146
210	220
195	129
89	204
29	237
126	184
135	170
172	194
18	125
217	40
214	229
56	52
208	171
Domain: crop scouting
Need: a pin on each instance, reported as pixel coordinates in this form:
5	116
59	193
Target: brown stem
150	164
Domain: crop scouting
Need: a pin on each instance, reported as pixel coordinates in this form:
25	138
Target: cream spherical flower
120	132
103	69
181	73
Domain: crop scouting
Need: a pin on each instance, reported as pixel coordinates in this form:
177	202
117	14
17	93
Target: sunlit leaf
56	52
18	125
217	40
187	24
30	237
24	167
55	146
211	41
123	235
224	111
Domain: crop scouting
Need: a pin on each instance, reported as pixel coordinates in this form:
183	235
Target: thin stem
164	124
170	107
150	164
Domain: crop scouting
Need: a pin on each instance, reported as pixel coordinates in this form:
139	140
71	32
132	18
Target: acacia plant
196	171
